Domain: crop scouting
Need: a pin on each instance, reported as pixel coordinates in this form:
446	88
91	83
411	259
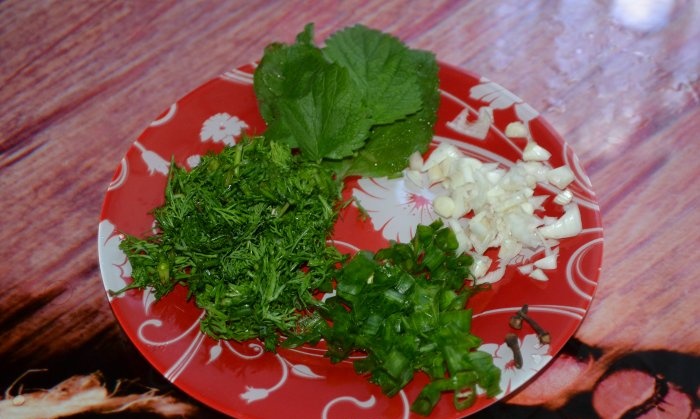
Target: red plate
242	380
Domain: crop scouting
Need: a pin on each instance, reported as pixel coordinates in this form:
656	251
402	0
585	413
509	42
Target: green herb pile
246	230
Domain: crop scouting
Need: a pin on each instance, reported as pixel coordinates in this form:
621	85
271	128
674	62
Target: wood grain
81	79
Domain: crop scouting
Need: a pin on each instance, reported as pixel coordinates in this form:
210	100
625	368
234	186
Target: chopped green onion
411	318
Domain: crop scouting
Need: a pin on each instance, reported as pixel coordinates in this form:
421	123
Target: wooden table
619	80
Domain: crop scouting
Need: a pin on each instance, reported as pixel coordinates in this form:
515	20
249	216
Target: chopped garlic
516	130
568	225
441	153
415	161
527	208
536	171
459	196
444	206
495	175
462	239
481	265
534	152
462	171
547	262
510	248
560	177
501	205
436	174
563	197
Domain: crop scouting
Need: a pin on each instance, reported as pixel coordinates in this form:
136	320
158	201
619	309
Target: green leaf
382	68
389	146
285	73
329	121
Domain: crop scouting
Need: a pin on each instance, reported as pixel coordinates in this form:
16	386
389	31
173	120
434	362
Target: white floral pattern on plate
222	127
396	206
154	162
